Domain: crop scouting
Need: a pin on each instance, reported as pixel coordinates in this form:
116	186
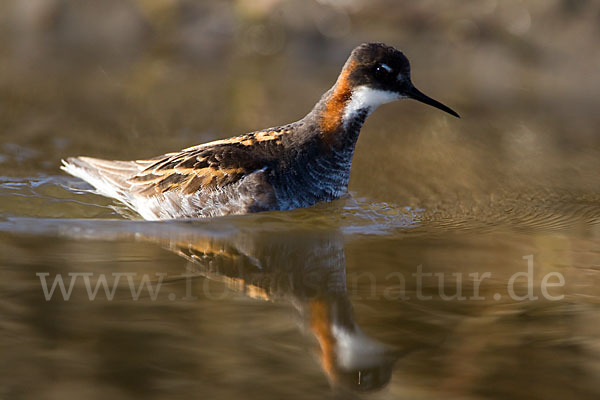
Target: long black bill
416	94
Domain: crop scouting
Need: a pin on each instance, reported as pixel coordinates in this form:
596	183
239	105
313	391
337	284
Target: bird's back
224	177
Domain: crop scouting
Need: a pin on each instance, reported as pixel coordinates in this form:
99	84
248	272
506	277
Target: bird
281	168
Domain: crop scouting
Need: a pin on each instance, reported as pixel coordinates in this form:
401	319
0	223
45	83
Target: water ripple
55	198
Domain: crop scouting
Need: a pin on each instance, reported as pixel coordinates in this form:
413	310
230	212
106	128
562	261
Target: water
250	304
464	263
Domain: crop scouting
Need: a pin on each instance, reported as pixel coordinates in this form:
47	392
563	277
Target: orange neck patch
331	118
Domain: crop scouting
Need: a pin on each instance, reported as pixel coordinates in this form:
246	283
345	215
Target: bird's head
376	74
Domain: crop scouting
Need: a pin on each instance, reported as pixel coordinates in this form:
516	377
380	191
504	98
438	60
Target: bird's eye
382	70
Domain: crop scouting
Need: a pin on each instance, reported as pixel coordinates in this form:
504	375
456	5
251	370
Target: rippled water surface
464	263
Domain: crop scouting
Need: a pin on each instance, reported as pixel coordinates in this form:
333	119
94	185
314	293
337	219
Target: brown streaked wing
209	166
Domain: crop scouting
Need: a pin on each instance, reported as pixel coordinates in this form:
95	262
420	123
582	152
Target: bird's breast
314	175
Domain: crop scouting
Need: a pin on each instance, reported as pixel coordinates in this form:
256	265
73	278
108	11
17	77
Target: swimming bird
280	168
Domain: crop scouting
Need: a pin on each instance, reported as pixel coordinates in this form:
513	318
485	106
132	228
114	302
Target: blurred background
136	78
518	174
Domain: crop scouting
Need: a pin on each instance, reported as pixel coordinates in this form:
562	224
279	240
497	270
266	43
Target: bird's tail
109	178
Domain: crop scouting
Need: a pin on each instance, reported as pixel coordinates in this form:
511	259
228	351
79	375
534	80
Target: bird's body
282	168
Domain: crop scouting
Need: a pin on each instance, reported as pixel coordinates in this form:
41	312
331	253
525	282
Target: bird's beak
416	94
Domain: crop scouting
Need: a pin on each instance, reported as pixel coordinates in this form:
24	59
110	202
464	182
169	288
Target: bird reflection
306	270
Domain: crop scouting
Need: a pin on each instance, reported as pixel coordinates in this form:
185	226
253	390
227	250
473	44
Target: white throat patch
364	97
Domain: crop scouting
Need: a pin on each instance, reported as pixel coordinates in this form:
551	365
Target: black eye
382	71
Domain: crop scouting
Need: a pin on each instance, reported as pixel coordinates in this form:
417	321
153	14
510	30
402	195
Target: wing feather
209	166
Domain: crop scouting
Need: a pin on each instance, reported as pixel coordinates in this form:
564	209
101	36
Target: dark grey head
383	75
